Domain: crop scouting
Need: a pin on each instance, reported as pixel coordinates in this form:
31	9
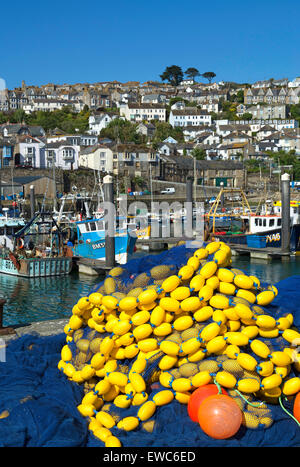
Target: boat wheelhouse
91	239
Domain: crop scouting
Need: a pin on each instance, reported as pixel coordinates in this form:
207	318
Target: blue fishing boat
91	239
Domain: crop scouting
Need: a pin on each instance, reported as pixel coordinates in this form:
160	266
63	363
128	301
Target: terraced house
189	116
121	159
135	112
270	95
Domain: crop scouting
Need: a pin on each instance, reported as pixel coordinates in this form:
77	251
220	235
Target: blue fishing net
38	404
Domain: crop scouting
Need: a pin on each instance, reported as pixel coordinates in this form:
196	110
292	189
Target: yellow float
205	324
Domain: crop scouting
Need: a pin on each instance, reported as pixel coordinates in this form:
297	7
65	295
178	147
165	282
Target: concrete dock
40	328
260	253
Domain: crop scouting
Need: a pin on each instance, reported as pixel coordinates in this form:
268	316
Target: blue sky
93	40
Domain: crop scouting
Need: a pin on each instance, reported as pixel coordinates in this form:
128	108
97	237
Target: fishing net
157	329
102	382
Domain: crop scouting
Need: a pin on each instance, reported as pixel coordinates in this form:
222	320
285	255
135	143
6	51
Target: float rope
253	404
218	386
286	411
238	392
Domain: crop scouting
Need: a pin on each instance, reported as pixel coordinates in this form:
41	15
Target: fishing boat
90	242
259	229
36	250
8	227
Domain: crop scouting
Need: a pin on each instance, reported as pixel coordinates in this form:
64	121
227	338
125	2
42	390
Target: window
271	223
68	153
278	221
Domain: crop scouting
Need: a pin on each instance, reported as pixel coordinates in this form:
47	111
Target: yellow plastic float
202	325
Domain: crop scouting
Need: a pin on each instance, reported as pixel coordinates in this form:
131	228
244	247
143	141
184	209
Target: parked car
168	191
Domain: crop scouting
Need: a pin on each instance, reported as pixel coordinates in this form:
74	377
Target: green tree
240	96
209	75
3	118
246	116
65	119
18	116
289	158
173	74
295	111
139	181
191	73
199	154
123	131
164	129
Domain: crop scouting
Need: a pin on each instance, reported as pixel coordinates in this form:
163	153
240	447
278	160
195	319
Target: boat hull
37	267
124	246
273	238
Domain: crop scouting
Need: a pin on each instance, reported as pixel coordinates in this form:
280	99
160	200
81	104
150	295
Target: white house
135	112
264	132
211	106
207	138
178	105
51	104
166	148
232	151
191	132
187	82
171	140
153	99
30	152
100	121
77	140
98	157
295	83
63	155
256	125
189	116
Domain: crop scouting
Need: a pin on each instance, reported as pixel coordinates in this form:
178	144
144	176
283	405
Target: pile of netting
143	339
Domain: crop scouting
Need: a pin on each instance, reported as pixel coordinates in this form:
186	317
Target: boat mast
54	186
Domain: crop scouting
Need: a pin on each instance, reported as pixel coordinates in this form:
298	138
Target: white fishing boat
35	249
259	229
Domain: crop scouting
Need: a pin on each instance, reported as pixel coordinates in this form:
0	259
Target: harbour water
32	300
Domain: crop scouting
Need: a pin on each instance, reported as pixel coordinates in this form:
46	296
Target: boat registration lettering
96	246
273	237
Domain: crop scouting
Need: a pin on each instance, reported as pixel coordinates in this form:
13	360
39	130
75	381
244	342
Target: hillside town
215	132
